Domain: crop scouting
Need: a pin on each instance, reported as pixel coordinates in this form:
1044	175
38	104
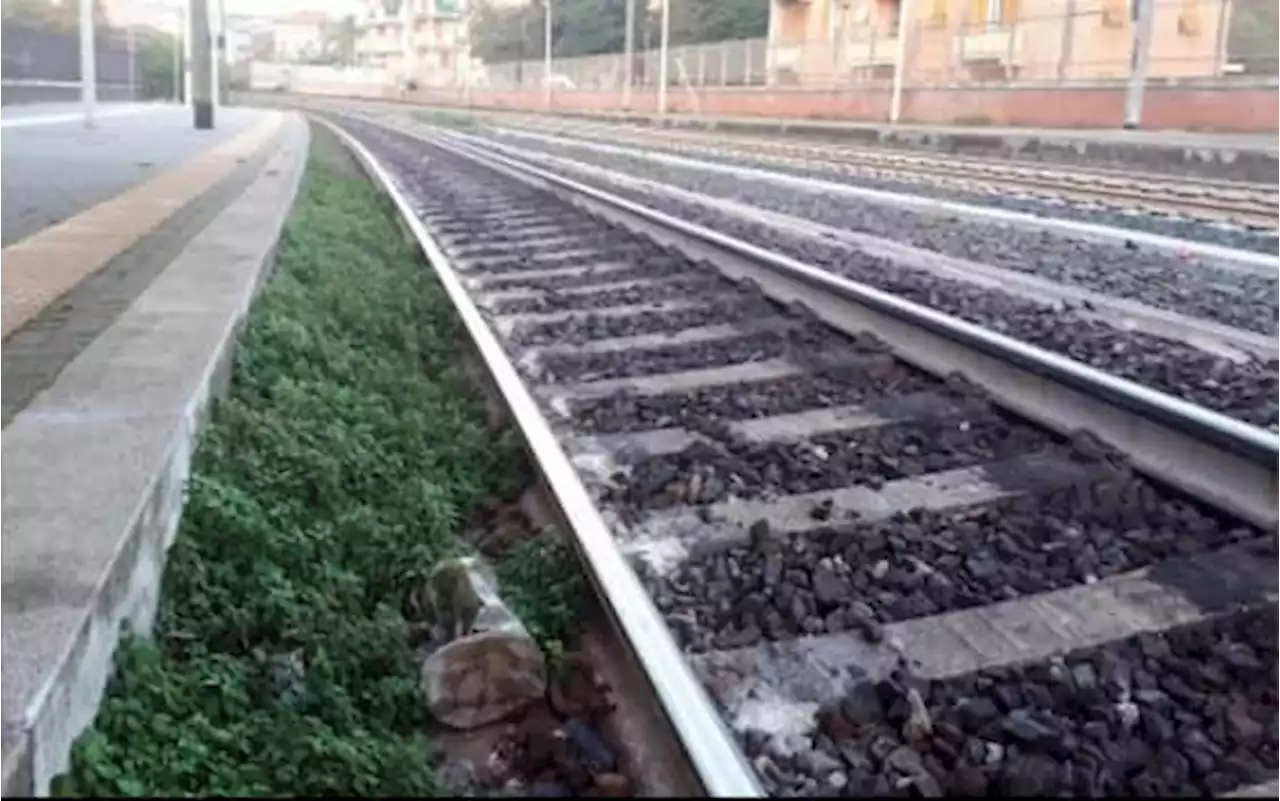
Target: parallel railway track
1227	202
900	554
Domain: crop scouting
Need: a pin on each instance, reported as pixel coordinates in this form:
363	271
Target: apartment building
989	41
423	41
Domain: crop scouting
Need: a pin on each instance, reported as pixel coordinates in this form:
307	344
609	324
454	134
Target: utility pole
630	48
224	73
1144	16
662	56
133	67
546	58
201	66
406	44
905	23
88	63
179	43
187	51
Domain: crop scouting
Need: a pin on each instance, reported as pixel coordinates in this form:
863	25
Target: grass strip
339	470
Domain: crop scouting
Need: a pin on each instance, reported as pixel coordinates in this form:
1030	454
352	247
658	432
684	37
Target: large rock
488	666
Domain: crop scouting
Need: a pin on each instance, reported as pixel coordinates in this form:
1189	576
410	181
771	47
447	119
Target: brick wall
1226	110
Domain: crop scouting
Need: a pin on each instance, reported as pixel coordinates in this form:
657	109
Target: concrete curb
95	467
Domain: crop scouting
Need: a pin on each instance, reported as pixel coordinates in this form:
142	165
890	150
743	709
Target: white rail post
630	56
178	70
905	22
546	59
662	56
88	63
1144	13
133	71
201	66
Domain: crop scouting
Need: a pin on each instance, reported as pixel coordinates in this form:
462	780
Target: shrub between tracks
335	475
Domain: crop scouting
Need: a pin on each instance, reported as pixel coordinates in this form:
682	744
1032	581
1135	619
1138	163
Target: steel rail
1092	231
1120	191
1228	463
710	748
1240	438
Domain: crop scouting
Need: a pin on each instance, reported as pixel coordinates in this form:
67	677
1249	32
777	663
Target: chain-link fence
43	66
977	43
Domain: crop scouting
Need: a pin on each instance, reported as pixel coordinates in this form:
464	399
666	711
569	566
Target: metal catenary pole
905	23
663	44
201	66
1144	16
546	57
629	58
88	63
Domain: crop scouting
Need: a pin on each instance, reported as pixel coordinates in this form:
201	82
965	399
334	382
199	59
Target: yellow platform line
41	268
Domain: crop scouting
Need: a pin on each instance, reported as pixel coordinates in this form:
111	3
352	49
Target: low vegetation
342	466
449	119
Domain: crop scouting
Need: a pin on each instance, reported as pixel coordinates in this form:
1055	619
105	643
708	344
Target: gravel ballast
1188	712
1244	301
855	576
1193	710
1246	390
885	178
827	461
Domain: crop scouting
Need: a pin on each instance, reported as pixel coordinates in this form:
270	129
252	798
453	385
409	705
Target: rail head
711	751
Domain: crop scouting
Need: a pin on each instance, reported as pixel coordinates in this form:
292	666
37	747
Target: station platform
134	253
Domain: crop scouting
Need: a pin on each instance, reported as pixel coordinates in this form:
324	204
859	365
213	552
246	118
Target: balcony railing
870	52
1002	45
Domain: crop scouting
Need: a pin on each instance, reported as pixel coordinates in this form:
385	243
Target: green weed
332	478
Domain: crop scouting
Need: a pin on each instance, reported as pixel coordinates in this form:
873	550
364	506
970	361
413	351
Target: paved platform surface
94	464
66	282
52	167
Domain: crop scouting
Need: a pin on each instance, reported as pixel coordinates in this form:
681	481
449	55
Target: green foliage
48	15
1251	36
448	119
157	74
588	27
542	585
333	477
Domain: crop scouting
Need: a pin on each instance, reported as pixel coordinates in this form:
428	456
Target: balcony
369	45
870	53
1000	45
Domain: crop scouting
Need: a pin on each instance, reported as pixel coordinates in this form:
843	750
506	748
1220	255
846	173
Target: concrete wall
19	92
1249	109
39	55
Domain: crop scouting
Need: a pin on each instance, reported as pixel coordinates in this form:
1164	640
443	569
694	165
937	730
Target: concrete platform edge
226	262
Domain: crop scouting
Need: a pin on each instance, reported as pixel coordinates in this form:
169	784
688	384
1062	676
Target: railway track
900	554
1226	202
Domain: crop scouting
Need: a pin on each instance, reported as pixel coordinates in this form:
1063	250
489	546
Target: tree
1251	37
157	55
340	41
590	27
718	20
46	15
